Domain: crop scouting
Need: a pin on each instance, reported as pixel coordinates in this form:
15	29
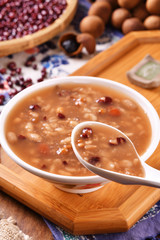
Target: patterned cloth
147	228
57	64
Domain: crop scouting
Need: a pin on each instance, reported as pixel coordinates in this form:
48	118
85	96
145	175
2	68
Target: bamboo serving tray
41	36
115	207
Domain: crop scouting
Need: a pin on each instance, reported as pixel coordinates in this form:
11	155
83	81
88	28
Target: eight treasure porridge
39	128
110	150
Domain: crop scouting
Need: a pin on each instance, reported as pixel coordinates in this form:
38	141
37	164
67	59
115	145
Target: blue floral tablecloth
147	228
49	61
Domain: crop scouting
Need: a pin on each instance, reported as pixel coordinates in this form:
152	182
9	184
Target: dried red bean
43	166
3	70
34	66
43	70
31	58
94	160
13	92
18	83
10	84
121	140
13	73
11	15
18	70
28	63
86	133
21	137
44	118
65	163
2	98
44	74
40	79
19	18
21	78
28	80
2	85
12	66
105	100
8	79
61	115
34	107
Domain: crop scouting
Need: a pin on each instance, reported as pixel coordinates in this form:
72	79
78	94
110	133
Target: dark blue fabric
147	228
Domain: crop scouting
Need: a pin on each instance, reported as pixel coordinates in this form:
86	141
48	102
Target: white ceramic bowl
79	184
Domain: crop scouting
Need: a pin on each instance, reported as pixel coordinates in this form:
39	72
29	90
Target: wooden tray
115	207
32	40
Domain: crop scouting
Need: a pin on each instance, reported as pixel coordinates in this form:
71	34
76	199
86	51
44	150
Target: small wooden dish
41	36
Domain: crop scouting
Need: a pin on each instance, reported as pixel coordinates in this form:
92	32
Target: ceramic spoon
152	175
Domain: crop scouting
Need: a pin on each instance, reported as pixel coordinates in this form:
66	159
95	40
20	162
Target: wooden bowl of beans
40	120
26	24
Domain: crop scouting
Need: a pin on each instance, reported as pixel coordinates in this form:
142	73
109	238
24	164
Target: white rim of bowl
140	99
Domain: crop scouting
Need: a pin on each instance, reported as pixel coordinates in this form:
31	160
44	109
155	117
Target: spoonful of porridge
109	153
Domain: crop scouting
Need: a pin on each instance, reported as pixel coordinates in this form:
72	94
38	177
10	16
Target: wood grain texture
39	37
115	207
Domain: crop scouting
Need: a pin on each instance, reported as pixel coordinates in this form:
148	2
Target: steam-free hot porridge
39	128
111	150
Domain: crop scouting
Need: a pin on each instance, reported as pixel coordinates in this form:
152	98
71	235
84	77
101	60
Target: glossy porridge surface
39	128
108	149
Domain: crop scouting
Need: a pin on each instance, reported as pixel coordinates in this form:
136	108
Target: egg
152	22
93	25
100	9
118	17
153	6
132	24
129	4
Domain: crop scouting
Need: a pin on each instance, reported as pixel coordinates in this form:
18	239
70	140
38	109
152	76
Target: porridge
39	128
108	149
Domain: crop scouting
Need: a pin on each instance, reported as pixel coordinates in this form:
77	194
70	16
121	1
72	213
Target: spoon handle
152	176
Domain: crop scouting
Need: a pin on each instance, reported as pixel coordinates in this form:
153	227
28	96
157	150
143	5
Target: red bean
12	66
19	18
105	100
61	115
86	133
65	162
94	160
3	70
21	137
34	107
2	98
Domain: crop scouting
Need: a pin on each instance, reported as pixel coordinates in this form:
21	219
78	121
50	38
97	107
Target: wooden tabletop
27	220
